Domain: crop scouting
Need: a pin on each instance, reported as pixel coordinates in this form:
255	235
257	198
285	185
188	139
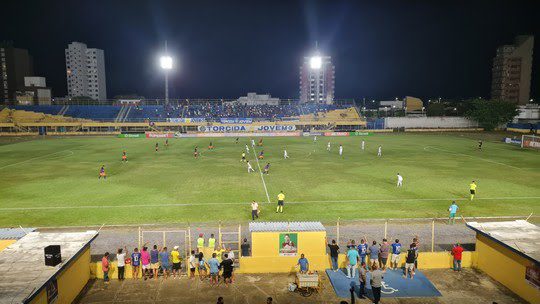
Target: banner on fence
509	140
132	135
186	120
336	134
360	133
236	120
244	128
244	134
159	135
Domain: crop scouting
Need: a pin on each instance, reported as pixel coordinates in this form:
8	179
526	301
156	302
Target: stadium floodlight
166	62
315	62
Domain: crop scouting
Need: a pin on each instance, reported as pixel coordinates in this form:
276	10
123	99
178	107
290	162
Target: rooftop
520	236
23	263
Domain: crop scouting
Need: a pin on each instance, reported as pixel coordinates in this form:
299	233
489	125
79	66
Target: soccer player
472	188
340	150
379	151
243	157
236	142
285	155
453	210
124	156
315	139
261	154
363	144
249	167
280	202
267	168
480	142
102	173
247	148
157	147
328	147
260	142
253	143
166	142
399	180
210	146
196	152
396	251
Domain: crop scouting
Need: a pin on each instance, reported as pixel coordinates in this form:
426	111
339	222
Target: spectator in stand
202	266
165	262
145	262
176	262
363	279
227	266
396	254
334	254
121	263
135	263
213	264
192	264
383	254
376	283
245	247
362	251
457	252
212	242
374	254
105	267
200	242
416	242
220	300
154	261
352	258
303	263
409	262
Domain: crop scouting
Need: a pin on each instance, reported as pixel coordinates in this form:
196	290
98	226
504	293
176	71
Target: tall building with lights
317	80
85	71
15	65
512	68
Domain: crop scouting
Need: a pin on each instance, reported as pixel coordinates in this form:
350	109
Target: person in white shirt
285	155
253	143
192	264
249	167
230	254
315	139
247	148
328	147
254	210
340	150
363	145
121	258
379	151
399	180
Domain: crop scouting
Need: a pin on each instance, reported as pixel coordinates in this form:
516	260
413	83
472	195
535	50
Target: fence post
164	242
219	233
139	243
189	239
385	228
337	230
239	240
432	236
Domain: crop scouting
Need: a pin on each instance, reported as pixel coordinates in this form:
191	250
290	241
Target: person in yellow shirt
219	252
472	188
280	201
200	242
176	260
212	242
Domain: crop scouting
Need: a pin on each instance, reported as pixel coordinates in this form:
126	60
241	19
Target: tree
435	109
491	113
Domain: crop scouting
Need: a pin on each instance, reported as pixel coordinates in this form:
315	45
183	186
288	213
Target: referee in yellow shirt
280	200
472	188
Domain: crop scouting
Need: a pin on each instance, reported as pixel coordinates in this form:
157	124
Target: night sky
228	48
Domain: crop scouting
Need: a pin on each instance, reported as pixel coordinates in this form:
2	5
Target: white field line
472	156
295	203
260	172
38	157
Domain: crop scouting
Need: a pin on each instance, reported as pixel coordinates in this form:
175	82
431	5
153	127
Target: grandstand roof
285	226
14	233
23	262
519	236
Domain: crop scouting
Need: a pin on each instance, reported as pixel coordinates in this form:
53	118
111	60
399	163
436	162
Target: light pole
166	63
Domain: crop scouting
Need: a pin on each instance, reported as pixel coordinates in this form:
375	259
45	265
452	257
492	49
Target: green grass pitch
54	181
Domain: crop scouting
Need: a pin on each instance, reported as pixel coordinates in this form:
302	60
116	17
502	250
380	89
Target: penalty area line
294	203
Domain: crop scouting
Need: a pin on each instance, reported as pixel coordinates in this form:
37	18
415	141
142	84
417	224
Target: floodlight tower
166	63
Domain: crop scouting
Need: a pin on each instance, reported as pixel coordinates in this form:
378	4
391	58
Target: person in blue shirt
362	250
303	263
352	257
396	251
135	262
374	254
154	261
213	263
453	210
165	263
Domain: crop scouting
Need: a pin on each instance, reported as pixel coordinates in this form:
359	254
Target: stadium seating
22	116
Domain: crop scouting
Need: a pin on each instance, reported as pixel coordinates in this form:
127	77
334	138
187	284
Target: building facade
35	91
15	65
253	99
512	69
85	71
317	80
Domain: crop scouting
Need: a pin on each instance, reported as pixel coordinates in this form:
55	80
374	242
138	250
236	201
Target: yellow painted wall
5	243
505	266
70	281
266	244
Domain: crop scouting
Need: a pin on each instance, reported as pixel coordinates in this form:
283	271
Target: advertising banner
509	140
132	135
159	135
244	128
360	133
186	120
288	244
245	134
336	134
236	120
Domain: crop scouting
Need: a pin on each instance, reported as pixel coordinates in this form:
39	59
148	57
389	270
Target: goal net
530	141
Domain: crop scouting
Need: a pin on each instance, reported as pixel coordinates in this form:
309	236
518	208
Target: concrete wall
70	281
429	122
5	243
505	266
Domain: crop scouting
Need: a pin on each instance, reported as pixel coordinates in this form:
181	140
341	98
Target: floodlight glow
315	62
166	62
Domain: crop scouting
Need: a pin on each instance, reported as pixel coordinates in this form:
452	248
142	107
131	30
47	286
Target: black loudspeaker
52	255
